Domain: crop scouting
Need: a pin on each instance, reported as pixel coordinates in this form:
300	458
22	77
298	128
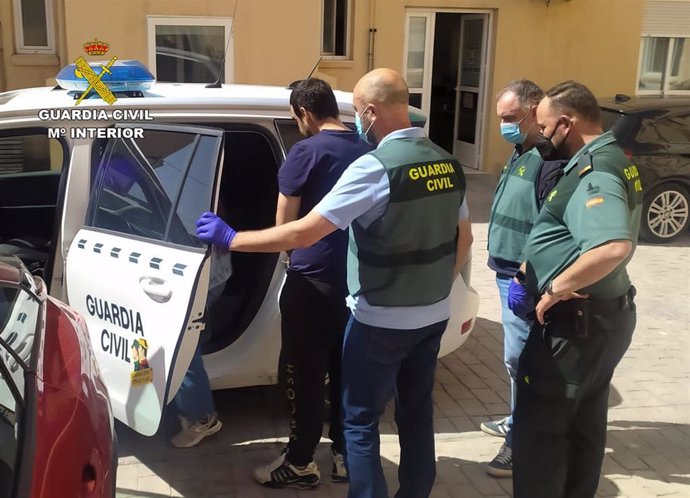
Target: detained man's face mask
550	151
511	132
364	135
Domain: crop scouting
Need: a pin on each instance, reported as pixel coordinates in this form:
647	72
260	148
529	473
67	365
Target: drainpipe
61	32
2	63
372	34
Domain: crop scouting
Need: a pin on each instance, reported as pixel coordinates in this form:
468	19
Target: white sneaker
339	471
192	434
282	474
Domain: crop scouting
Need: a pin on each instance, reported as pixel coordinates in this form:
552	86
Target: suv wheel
665	214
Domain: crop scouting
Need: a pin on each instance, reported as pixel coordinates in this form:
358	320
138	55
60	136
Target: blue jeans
377	364
515	332
194	400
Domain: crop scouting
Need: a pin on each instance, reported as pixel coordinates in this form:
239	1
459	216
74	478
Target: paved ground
648	450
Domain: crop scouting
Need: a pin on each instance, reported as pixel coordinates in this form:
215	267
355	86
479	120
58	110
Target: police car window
289	133
675	129
131	199
169	155
30	153
196	194
155	186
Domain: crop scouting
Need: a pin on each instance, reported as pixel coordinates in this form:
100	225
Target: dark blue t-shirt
310	170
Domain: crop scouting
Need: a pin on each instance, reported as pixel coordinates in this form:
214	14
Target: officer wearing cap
575	272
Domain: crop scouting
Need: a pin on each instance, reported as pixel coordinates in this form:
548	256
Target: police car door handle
156	288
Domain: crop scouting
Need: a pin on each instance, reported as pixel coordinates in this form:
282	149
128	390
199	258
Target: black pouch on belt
583	316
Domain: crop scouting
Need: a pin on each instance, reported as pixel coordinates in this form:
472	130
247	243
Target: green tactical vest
406	257
515	207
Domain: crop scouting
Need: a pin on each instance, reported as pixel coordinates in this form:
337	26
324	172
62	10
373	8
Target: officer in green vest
525	180
410	236
575	271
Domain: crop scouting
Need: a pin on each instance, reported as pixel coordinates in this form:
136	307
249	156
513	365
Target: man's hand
212	230
519	301
547	301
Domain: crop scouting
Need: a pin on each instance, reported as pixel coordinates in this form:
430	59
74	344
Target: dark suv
655	134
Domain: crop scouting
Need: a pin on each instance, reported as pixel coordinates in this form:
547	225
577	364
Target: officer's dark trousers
559	432
377	364
313	319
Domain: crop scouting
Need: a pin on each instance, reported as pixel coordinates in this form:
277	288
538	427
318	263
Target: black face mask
547	150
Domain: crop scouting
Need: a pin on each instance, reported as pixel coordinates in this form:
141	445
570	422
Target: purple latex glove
211	229
519	302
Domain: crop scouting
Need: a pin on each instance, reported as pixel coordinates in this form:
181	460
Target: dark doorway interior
444	79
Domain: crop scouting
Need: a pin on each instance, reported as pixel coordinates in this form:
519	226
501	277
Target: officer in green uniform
575	271
524	182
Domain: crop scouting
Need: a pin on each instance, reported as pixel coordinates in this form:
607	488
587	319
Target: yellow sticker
143	373
594	201
142	377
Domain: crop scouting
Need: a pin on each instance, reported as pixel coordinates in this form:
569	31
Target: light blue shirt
362	194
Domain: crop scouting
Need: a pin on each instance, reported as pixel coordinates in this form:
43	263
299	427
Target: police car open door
136	270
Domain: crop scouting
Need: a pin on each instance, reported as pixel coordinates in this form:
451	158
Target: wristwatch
549	289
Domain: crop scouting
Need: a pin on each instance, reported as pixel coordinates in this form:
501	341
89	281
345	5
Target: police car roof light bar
125	76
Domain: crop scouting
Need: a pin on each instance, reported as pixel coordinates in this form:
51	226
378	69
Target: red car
57	437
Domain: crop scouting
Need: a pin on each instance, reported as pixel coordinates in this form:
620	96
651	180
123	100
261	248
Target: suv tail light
466	327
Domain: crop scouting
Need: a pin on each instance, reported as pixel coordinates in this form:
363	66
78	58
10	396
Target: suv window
289	133
31	165
30	153
156	186
609	118
18	318
675	129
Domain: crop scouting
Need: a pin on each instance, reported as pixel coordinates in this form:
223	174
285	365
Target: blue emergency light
122	76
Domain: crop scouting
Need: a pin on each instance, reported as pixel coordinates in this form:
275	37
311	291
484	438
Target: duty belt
578	317
566	309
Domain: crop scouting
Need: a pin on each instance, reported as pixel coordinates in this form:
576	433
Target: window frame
100	173
228	39
665	90
347	56
21	47
427	69
31	131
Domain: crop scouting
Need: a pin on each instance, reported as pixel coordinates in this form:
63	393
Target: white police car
102	200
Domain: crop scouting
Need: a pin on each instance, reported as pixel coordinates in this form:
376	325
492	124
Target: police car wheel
665	213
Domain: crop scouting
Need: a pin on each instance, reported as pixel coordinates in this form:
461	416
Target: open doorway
445	66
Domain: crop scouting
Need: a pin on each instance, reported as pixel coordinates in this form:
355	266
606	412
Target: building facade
455	54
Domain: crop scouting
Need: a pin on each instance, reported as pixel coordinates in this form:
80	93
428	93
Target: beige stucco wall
596	42
25	70
278	41
275	41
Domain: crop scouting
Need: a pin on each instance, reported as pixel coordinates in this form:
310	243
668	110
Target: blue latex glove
519	301
211	229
